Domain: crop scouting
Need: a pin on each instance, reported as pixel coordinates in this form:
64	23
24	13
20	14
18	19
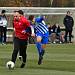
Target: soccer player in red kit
20	25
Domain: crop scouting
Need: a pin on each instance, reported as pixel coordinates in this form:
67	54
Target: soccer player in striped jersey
41	32
41	36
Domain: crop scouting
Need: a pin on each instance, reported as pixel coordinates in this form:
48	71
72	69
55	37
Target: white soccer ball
10	65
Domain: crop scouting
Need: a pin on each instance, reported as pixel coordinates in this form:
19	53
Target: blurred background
53	16
37	3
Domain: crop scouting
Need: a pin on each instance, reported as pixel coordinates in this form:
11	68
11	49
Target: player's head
32	18
68	13
39	19
18	14
3	12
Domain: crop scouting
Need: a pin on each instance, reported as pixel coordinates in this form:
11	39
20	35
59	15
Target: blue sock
39	47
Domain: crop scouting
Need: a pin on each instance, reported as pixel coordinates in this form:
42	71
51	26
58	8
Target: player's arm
30	29
43	22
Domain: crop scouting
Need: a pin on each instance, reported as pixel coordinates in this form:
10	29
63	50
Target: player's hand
24	32
33	35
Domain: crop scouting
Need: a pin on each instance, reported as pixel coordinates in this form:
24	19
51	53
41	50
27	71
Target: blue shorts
44	37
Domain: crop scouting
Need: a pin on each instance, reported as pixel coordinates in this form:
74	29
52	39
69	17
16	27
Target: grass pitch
59	59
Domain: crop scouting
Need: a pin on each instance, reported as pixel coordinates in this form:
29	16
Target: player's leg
1	34
66	33
5	30
70	35
39	44
39	47
23	48
20	55
43	49
16	49
44	42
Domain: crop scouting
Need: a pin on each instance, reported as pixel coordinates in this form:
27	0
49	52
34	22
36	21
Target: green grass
58	60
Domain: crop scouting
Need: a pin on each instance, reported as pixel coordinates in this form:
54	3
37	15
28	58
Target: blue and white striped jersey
40	26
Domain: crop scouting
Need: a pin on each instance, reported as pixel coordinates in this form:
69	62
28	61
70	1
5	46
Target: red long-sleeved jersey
19	26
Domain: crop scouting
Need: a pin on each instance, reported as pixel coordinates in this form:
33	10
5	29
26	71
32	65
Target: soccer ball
10	65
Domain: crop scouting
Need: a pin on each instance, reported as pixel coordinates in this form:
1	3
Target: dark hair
3	11
68	12
20	12
31	17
